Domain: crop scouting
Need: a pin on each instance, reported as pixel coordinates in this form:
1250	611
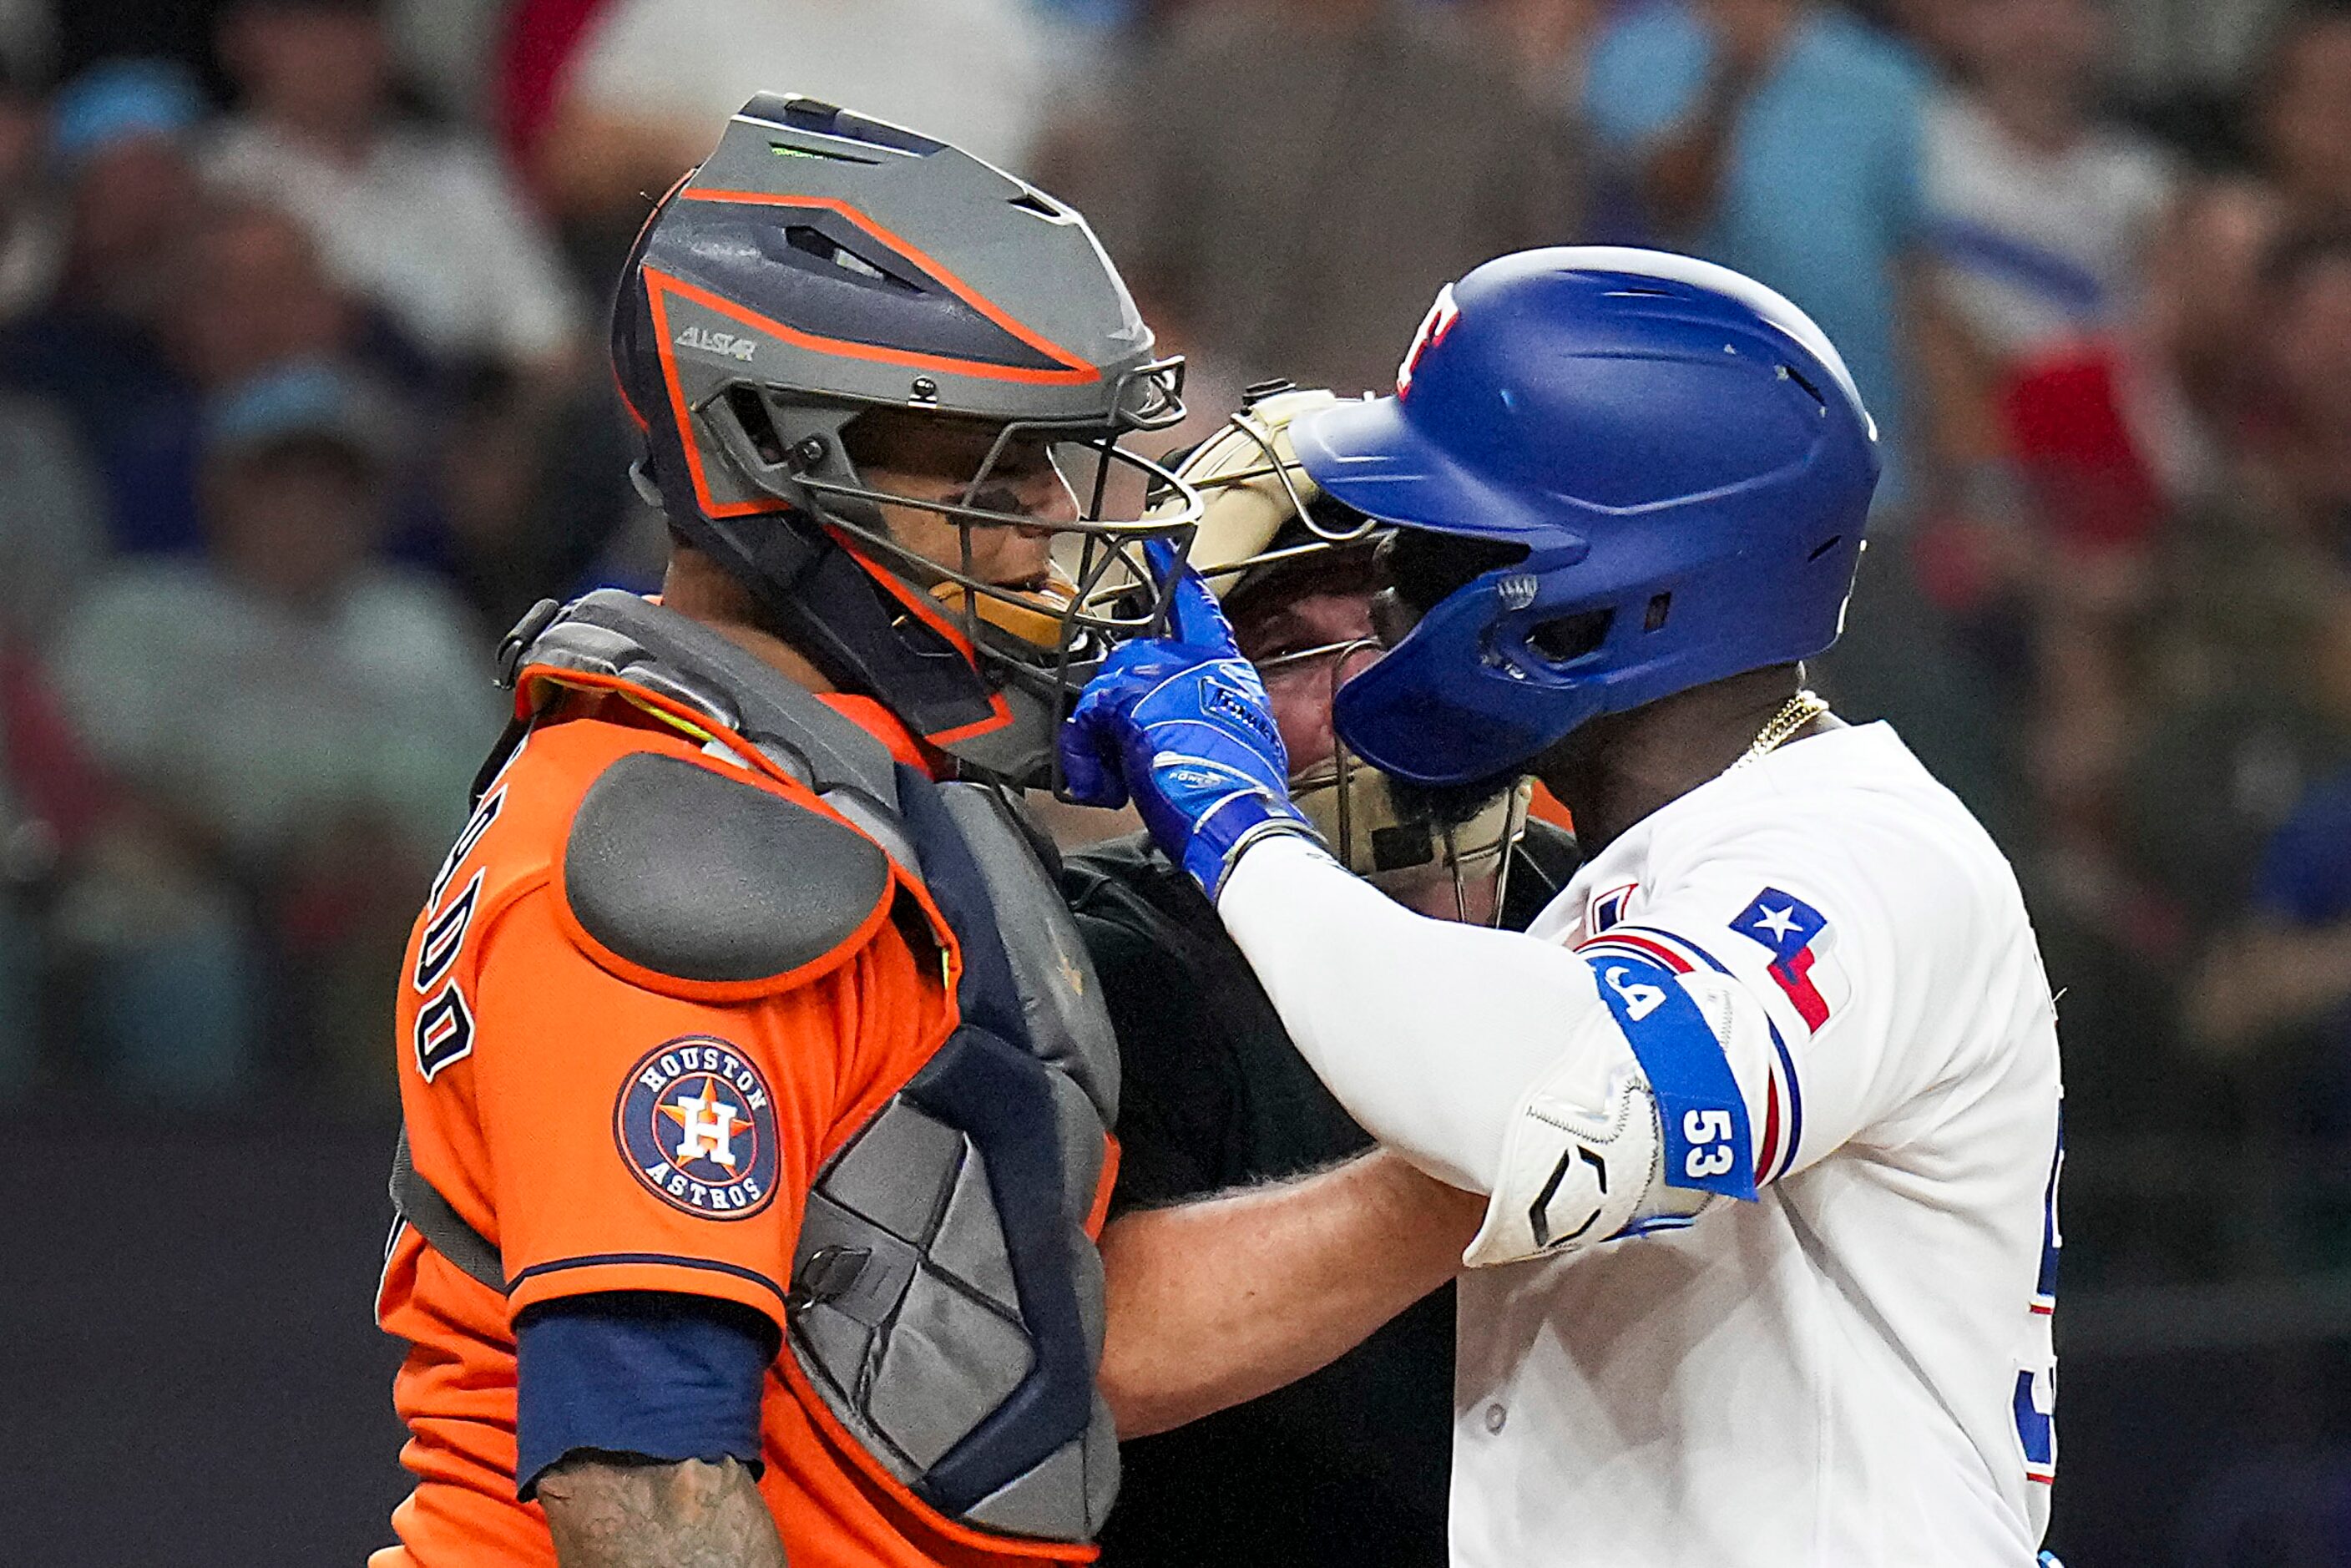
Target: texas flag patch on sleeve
1802	946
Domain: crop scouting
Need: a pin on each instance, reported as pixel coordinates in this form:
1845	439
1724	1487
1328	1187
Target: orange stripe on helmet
656	283
645	427
637	247
1076	371
926	610
659	285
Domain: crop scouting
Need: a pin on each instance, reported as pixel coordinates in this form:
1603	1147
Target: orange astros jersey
606	1128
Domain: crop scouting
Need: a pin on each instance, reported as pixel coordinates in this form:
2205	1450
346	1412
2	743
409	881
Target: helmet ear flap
750	441
744	415
773	445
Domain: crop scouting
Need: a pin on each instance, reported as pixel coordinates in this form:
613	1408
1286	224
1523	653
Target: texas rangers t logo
1790	927
1433	329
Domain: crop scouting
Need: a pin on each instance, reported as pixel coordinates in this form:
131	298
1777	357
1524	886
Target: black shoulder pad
686	872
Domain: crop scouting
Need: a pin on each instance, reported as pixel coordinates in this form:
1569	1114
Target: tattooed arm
609	1510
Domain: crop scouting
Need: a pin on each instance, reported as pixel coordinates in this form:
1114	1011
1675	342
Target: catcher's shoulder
681	870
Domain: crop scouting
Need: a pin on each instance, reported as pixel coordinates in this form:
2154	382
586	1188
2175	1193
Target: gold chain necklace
1799	711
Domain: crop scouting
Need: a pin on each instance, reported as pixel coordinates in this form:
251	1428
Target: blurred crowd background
302	402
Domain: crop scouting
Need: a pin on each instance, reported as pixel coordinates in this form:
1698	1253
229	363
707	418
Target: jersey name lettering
444	1032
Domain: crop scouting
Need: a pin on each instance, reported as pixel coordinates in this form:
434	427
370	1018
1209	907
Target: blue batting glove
1181	724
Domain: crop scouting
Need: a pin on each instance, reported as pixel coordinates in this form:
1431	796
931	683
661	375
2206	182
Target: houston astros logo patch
696	1124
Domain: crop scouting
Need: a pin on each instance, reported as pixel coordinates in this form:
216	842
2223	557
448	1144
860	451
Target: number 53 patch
1698	1103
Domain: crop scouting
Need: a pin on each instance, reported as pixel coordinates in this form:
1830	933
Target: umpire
1347	1466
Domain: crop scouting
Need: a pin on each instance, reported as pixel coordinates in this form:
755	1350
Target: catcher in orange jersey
756	1085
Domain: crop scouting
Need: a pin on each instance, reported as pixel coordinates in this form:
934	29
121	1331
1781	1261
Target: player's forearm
1216	1303
616	1513
1428	1032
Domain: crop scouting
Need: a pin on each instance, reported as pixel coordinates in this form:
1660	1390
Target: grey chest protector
945	1301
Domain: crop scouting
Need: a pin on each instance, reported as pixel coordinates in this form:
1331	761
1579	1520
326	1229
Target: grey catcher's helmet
820	266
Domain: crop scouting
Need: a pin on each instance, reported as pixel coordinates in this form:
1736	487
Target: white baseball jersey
1853	1365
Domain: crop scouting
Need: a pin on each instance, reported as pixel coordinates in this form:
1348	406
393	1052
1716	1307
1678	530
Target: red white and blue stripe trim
1784	1100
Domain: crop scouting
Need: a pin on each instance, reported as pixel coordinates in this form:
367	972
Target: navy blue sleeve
663	1376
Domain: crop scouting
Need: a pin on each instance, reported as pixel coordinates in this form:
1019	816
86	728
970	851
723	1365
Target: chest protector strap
945	1301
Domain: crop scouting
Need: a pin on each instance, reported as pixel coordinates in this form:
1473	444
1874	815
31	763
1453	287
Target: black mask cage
1260	510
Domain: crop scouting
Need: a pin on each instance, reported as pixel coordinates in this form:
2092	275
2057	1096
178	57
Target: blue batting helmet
1681	455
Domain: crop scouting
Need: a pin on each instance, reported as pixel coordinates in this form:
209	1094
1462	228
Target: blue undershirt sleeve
660	1376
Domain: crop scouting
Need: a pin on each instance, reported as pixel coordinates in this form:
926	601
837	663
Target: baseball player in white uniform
1766	1105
